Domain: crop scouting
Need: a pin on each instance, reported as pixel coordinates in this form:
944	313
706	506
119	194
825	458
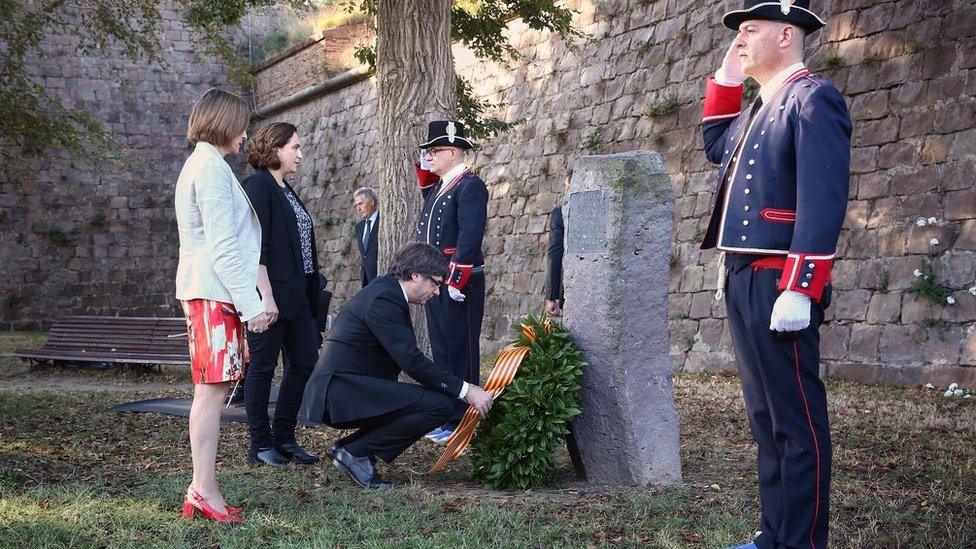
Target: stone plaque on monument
616	278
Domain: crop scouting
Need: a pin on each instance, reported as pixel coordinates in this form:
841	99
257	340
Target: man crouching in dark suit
354	385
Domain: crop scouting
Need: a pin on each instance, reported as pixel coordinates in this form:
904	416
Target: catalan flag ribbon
502	373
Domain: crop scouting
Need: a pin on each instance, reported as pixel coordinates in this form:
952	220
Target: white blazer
220	234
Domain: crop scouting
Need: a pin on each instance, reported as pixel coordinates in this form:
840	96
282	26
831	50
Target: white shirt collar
208	148
372	219
453	172
404	290
769	90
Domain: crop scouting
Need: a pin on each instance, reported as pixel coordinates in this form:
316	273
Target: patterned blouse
304	230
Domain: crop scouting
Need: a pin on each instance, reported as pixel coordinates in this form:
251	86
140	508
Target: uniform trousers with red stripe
787	406
455	334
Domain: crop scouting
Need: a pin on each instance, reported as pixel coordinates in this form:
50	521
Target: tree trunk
415	84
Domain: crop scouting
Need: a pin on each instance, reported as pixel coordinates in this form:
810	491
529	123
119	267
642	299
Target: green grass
73	474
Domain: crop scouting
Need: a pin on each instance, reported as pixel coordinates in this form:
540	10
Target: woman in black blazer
288	281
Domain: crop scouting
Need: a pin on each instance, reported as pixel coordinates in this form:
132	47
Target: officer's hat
446	133
795	12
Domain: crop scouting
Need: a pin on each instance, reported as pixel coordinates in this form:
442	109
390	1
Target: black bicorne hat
795	12
446	133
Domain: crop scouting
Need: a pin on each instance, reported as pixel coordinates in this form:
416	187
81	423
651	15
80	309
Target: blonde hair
217	118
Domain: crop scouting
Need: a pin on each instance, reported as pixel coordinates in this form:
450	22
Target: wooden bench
124	340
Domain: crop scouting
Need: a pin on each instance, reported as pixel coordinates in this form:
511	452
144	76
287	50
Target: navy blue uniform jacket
453	220
786	192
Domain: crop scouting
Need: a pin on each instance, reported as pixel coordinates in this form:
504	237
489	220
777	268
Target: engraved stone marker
616	275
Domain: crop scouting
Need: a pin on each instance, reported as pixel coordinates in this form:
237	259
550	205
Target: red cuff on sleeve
425	178
459	275
721	101
807	274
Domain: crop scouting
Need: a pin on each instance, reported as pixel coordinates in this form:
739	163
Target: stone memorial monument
616	275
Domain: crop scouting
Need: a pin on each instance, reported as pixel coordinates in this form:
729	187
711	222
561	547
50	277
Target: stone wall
308	62
908	69
100	238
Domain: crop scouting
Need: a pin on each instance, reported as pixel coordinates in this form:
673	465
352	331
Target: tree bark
415	84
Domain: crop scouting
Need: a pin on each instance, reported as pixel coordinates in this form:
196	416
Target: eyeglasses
434	150
435	281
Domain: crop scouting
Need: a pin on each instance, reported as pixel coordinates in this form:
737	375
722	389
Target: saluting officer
453	220
781	200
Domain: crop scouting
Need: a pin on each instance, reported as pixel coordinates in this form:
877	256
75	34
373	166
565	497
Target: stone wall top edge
285	54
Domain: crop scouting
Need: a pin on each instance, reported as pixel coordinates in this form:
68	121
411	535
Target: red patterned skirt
218	348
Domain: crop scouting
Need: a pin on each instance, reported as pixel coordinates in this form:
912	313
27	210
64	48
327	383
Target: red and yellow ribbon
502	373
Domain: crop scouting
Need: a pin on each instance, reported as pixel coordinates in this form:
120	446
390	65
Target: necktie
366	235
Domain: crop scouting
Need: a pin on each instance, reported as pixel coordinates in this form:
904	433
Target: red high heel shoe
195	502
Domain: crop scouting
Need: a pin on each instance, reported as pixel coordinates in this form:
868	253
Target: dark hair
217	118
261	149
420	258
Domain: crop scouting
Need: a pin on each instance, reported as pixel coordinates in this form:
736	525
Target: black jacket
370	343
368	266
281	250
554	256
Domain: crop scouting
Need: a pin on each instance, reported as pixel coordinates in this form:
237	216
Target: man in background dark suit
367	230
554	257
355	386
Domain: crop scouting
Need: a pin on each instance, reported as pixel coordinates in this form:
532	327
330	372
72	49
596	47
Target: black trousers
299	338
787	407
455	334
388	435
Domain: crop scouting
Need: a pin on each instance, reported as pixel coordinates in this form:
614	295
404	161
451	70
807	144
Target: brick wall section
307	63
101	239
908	70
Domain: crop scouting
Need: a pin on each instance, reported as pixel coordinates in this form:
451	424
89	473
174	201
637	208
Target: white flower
920	222
917	273
972	291
958	392
968	396
951	300
934	242
929	386
947	393
933	221
953	386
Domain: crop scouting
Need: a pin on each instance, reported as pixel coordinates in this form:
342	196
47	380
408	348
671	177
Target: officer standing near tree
453	220
780	204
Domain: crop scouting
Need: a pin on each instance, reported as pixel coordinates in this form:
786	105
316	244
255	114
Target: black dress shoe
293	452
331	452
361	470
267	456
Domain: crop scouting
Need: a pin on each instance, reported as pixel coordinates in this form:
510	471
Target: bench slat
132	340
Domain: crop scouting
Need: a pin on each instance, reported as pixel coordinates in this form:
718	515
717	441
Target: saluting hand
730	73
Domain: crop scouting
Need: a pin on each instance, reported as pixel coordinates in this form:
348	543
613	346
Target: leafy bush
515	445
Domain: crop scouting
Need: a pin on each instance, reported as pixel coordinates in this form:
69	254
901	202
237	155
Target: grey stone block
618	239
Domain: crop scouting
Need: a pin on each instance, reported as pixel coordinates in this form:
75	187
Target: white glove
455	294
791	312
730	73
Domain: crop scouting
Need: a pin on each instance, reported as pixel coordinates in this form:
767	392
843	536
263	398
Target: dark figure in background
554	257
288	280
782	194
367	202
355	384
453	220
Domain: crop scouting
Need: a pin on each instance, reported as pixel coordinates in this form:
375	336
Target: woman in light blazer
216	281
